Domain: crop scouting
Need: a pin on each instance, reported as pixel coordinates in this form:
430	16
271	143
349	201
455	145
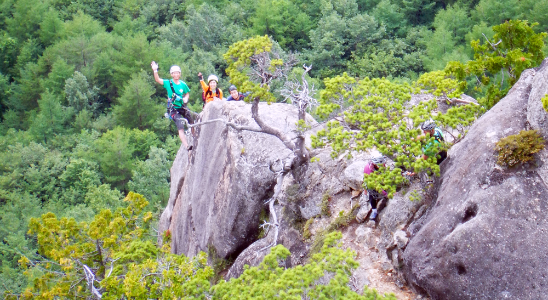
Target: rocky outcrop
536	115
486	234
217	198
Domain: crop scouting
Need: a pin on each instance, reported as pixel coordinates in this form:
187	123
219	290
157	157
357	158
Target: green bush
519	148
545	102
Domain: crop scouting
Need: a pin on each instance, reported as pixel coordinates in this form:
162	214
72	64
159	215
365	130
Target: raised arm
154	66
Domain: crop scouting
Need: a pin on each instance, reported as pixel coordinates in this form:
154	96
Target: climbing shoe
373	214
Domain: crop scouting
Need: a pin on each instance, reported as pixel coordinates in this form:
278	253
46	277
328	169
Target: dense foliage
111	258
81	116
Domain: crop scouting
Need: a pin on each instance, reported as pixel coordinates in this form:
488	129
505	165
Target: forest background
82	118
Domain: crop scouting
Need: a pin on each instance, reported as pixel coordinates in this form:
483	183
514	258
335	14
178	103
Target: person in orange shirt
211	91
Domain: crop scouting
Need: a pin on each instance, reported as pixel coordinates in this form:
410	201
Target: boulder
288	236
178	170
486	234
536	115
353	175
219	192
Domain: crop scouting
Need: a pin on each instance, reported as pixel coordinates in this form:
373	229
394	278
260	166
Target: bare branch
276	225
90	279
494	46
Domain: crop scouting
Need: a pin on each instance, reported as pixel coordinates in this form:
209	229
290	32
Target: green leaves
500	61
125	264
545	102
270	280
379	116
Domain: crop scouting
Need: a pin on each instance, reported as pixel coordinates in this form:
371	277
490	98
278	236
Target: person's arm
221	94
202	82
157	78
185	97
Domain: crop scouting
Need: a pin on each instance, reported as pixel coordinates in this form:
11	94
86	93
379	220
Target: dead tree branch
274	223
90	279
494	46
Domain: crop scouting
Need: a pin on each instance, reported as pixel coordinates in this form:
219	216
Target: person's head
212	81
428	127
379	160
175	72
233	92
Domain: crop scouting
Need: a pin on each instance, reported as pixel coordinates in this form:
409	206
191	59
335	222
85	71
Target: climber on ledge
430	129
211	91
234	94
178	94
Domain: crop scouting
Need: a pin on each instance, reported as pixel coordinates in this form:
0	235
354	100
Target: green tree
4	93
375	110
51	117
325	276
136	108
327	43
25	19
8	53
391	16
51	28
56	79
498	63
79	95
110	258
114	152
151	178
283	21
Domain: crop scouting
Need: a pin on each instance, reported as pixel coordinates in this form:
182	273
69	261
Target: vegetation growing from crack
519	148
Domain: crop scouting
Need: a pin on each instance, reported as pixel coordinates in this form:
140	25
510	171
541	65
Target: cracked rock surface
486	235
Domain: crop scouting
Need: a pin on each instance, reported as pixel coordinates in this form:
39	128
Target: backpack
438	135
205	94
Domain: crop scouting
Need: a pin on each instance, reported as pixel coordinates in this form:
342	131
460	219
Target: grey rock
400	239
483	243
536	115
353	175
255	253
222	192
365	207
178	170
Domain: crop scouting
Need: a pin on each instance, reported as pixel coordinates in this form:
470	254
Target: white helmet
212	77
379	160
428	125
174	68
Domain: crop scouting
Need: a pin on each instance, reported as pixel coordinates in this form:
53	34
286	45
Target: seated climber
234	94
374	196
211	91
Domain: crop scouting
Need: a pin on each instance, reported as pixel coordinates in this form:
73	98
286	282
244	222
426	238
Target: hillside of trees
82	121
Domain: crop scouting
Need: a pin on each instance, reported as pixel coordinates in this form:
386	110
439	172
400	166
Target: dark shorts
179	115
441	157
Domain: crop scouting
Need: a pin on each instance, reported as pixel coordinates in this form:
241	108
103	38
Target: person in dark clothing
234	94
375	196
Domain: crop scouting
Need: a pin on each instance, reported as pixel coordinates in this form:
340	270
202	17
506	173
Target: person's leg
182	136
442	156
373	202
181	128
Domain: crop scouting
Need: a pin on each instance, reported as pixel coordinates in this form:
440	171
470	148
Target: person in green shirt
181	89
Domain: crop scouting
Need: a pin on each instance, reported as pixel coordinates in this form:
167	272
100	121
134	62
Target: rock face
217	197
486	235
